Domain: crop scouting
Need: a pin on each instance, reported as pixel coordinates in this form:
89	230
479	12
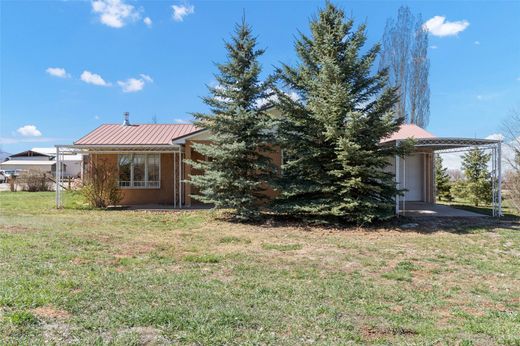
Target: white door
413	181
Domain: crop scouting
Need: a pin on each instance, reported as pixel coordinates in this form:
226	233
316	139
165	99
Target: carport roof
426	140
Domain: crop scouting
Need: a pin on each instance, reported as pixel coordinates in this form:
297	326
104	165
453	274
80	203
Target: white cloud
93	78
433	46
146	77
438	26
57	72
147	21
132	85
29	131
115	13
518	79
96	117
179	12
477	43
180	121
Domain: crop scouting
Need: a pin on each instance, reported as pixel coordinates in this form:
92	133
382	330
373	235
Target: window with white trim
139	170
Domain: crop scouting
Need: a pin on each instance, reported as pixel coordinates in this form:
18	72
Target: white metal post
499	183
493	179
174	182
397	163
180	178
432	171
404	185
58	177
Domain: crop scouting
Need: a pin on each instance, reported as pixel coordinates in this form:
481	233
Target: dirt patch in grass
135	249
58	333
15	229
49	311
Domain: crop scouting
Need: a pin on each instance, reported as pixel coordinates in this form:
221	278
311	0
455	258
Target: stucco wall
133	196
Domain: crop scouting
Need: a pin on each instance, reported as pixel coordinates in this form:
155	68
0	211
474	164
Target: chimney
126	121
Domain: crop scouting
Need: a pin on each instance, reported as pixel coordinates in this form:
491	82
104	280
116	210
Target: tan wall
132	196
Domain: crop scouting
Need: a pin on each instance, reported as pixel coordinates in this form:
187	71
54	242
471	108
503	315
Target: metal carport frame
439	145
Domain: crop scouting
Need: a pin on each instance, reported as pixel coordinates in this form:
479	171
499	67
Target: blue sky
69	66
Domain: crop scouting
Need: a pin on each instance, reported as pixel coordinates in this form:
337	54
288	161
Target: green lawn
129	277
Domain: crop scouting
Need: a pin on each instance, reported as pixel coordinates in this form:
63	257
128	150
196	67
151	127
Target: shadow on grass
422	225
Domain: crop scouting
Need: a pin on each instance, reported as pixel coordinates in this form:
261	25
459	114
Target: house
149	159
43	160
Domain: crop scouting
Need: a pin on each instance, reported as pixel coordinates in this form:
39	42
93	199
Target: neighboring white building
43	160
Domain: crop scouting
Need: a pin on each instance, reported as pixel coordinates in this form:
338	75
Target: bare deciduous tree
418	83
101	184
405	54
511	127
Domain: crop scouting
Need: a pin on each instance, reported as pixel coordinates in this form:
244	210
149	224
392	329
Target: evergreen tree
442	180
236	168
478	178
331	132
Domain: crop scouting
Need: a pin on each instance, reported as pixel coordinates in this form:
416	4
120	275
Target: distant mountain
3	156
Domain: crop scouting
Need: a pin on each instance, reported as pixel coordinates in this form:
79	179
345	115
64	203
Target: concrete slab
165	207
419	209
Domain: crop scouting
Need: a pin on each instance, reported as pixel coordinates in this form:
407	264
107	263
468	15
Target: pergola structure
175	149
440	145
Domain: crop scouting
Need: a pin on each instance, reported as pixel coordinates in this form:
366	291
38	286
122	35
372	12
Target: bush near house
101	184
33	181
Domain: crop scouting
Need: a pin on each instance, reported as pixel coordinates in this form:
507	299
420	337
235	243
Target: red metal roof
147	134
162	134
409	131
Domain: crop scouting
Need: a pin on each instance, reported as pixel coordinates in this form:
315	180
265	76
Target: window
140	170
287	157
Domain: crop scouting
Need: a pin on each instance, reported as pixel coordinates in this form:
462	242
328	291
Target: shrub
101	184
34	181
13	184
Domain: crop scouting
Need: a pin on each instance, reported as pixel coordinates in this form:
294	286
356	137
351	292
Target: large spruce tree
334	163
236	168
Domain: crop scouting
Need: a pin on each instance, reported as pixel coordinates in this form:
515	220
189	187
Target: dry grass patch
50	312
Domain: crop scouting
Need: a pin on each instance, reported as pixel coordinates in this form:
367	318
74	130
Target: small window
139	170
287	156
